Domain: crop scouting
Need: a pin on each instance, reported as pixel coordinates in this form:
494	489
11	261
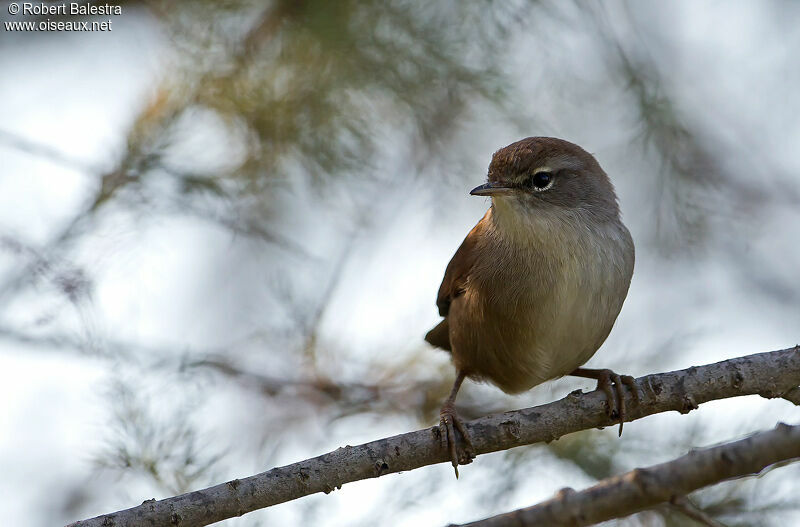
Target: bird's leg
449	423
605	378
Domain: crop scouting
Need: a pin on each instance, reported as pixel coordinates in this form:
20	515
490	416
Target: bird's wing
454	283
458	270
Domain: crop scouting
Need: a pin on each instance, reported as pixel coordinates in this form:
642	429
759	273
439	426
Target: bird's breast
537	308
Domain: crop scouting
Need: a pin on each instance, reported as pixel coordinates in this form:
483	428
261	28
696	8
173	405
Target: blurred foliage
165	449
267	109
310	90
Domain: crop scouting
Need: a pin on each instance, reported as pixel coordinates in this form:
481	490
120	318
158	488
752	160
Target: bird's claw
448	424
616	397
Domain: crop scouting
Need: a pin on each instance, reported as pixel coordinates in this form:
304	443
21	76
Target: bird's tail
439	336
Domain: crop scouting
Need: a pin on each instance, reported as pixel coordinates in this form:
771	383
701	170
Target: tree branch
689	509
643	488
768	374
793	395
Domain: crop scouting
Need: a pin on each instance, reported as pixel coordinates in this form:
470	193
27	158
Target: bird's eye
541	180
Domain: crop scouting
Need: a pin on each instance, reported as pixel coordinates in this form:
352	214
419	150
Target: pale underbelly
517	355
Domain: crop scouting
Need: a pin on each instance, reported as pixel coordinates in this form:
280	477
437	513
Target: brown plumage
535	287
454	283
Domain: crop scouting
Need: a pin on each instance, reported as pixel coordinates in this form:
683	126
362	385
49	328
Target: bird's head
545	174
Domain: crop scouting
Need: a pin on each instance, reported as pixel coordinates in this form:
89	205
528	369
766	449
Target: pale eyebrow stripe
543	168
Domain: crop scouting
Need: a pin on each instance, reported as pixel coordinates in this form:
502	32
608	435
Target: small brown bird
537	284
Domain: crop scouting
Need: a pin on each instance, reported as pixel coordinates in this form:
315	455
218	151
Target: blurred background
223	226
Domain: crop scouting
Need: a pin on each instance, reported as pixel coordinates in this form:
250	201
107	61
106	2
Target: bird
536	286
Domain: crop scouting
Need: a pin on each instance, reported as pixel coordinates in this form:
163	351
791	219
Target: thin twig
685	506
644	488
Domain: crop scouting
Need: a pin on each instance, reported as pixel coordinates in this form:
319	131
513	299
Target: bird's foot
616	397
612	385
461	453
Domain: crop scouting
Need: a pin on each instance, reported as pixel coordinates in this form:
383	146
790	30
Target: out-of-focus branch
643	488
44	151
770	374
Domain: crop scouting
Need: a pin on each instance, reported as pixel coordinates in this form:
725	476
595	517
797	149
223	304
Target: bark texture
771	374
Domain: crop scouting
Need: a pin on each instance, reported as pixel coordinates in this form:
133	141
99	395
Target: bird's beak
491	189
